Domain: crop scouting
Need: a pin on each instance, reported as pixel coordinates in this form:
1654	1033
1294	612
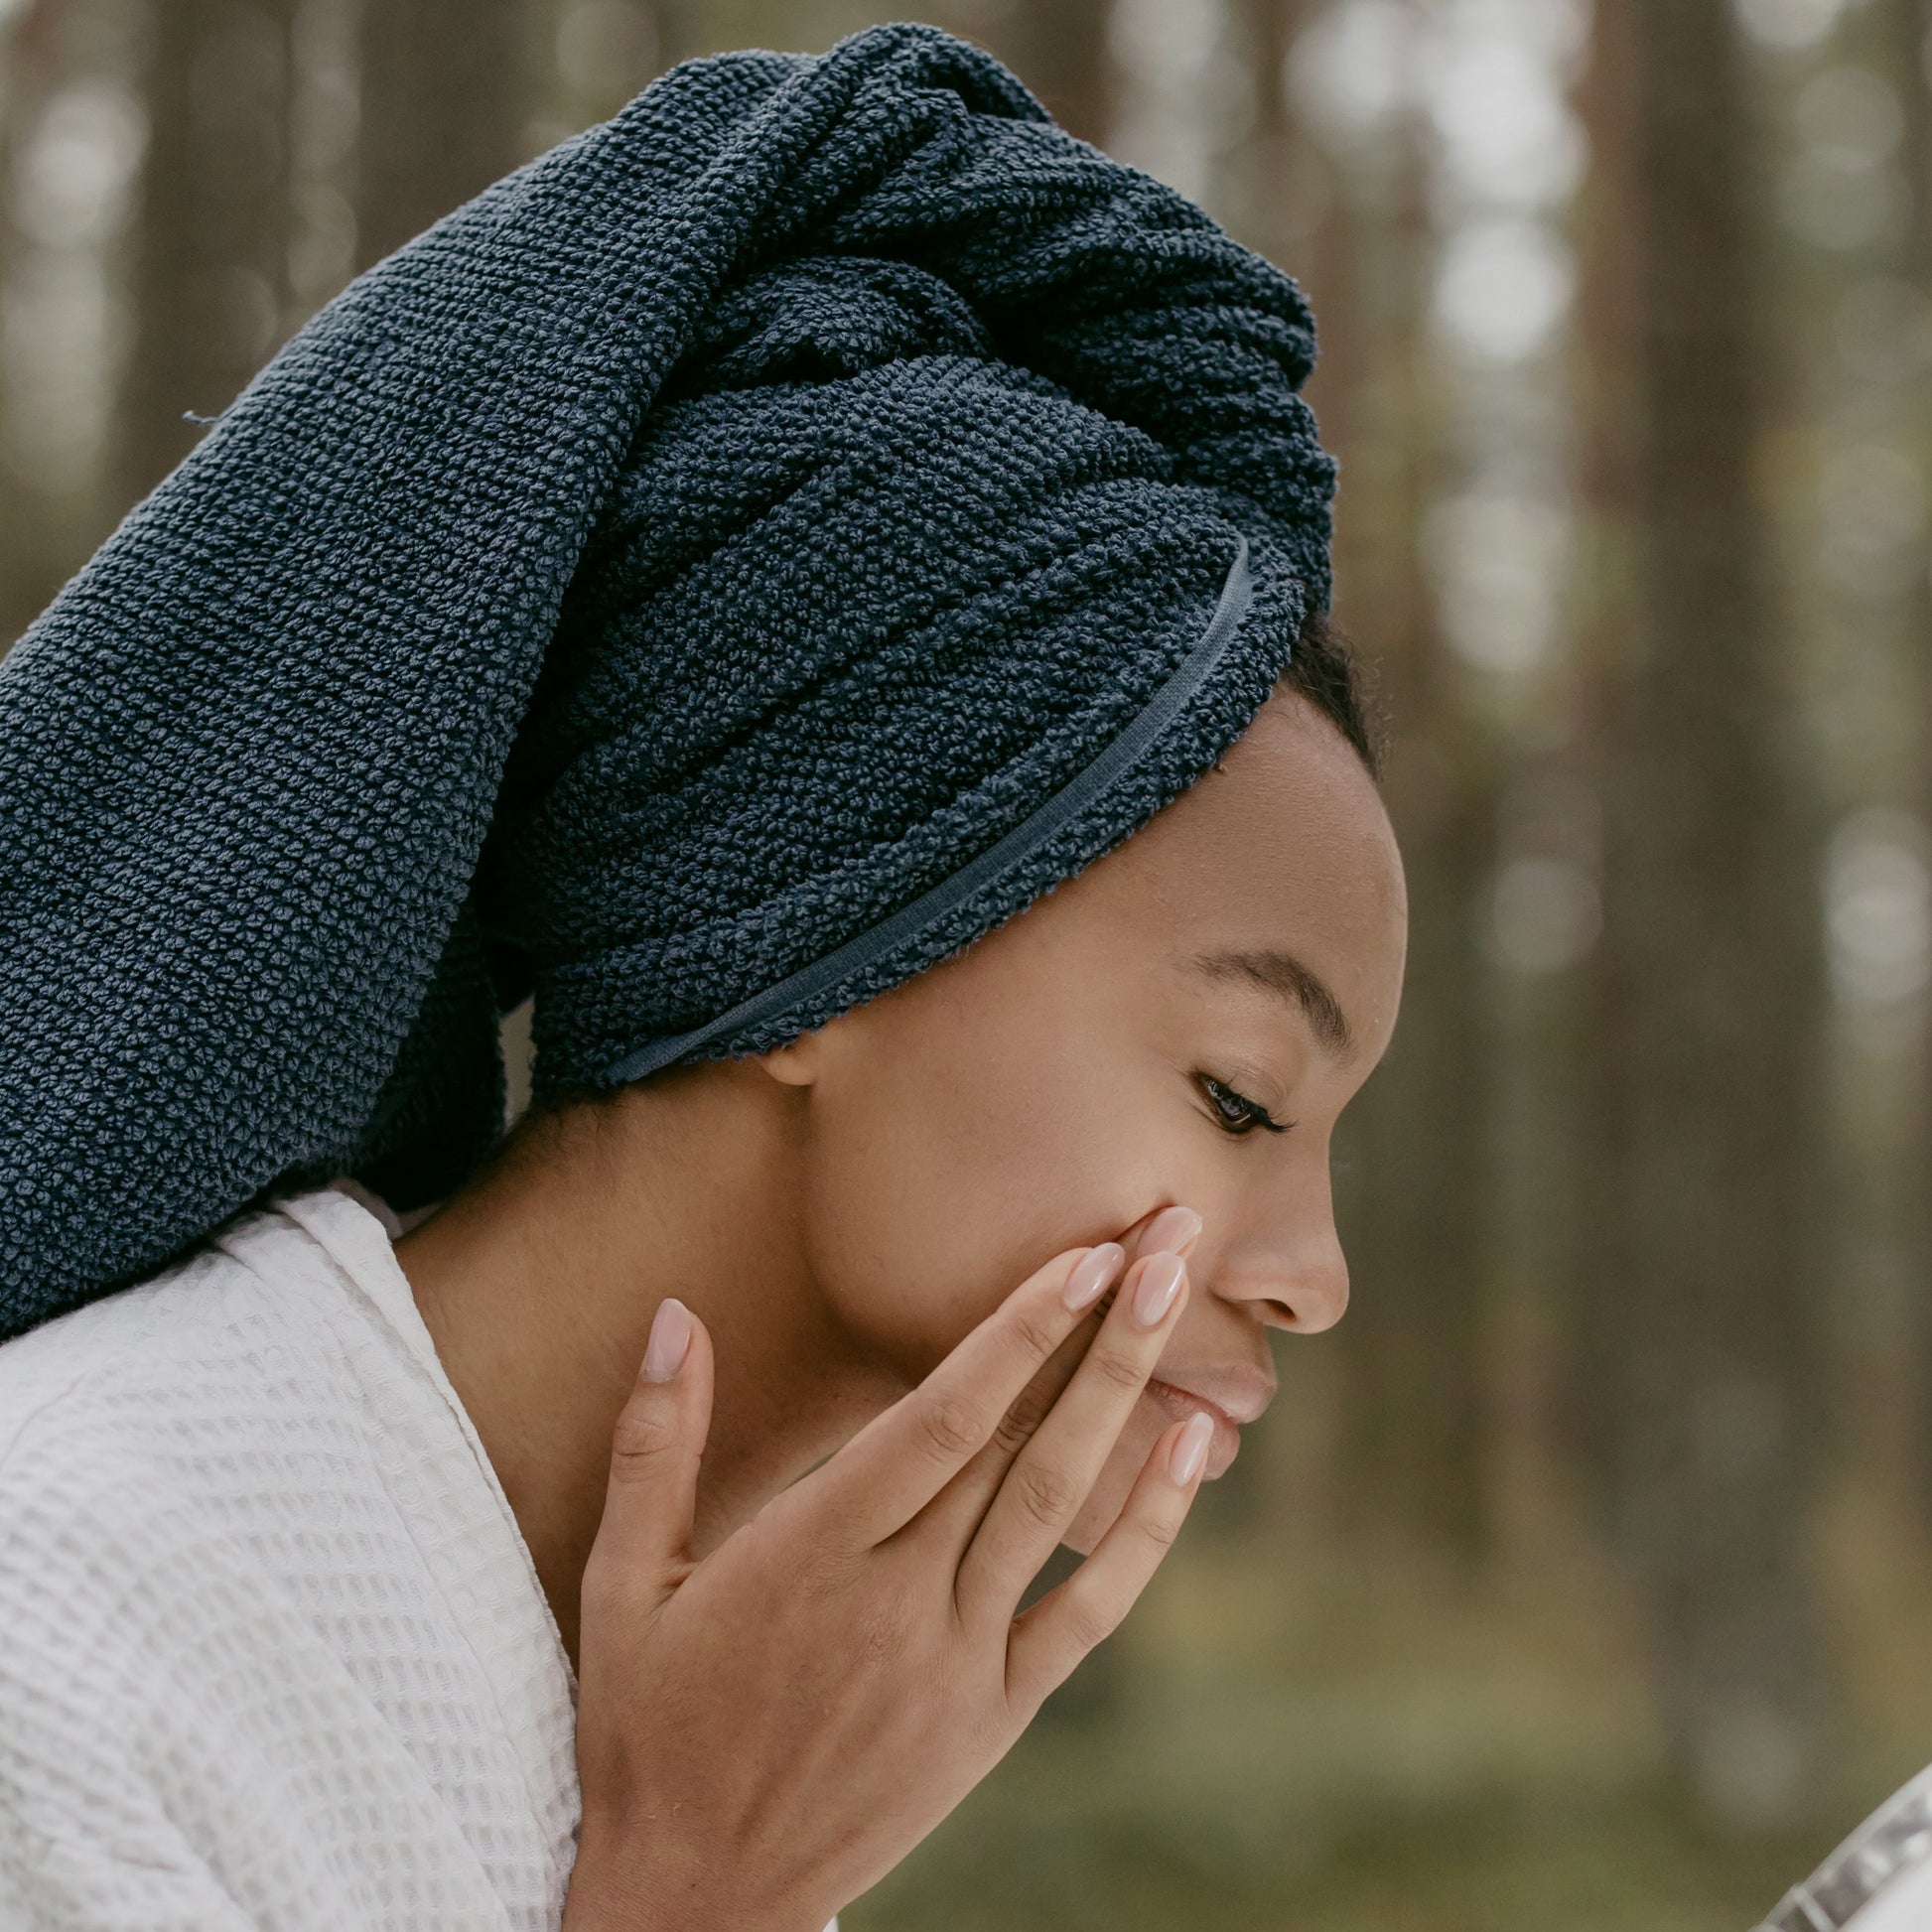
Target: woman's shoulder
123	1398
244	1659
142	1439
199	1489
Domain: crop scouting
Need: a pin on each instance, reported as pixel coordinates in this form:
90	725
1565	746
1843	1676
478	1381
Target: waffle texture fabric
276	1658
652	578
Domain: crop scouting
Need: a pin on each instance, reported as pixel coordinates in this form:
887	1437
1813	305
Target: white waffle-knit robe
273	1653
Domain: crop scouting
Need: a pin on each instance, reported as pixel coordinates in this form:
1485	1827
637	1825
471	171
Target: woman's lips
1180	1405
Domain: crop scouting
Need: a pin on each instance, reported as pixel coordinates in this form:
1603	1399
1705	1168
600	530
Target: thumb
645	1540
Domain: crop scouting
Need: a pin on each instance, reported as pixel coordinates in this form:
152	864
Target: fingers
1048	1641
895	1465
1052	1475
643	1544
957	1511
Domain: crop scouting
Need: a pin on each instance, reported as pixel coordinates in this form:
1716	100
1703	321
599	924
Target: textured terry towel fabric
666	570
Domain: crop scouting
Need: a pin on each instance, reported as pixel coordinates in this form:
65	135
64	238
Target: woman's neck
538	1282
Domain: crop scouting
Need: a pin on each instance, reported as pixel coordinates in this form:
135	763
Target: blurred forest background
1584	1577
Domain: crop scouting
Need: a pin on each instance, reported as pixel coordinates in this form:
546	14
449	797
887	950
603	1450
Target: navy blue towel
733	563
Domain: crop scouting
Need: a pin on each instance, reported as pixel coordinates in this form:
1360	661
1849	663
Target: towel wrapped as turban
735	562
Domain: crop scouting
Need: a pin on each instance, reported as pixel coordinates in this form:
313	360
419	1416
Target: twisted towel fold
668	569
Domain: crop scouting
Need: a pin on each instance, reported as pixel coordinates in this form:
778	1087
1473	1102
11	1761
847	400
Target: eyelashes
1235	1113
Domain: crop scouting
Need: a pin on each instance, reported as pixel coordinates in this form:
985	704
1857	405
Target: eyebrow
1285	976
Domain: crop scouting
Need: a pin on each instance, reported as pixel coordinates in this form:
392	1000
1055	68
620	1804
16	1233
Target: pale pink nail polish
1091	1274
1189	1450
1171	1231
1159	1283
670	1340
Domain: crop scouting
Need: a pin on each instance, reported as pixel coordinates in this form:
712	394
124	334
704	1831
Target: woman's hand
763	1735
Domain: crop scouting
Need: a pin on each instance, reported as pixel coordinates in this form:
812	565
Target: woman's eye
1235	1111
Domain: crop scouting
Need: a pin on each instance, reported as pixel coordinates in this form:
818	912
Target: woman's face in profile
1180	1024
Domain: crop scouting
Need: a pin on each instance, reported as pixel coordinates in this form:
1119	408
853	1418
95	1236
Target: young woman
820	582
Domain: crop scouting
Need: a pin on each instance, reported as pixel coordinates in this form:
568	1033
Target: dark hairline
1325	669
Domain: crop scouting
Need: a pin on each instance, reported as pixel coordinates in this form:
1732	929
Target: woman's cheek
912	1258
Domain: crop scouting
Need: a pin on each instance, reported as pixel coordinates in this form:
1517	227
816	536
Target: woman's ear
796	1062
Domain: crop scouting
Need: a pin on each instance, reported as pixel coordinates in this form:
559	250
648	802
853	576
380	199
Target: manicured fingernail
1189	1450
1171	1231
670	1340
1091	1274
1159	1284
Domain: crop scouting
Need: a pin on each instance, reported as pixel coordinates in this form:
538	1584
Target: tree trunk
443	107
604	52
211	263
1702	1090
27	78
1907	26
1059	48
1414	1457
66	71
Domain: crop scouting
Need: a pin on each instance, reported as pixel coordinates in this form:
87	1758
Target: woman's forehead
1275	874
1289	824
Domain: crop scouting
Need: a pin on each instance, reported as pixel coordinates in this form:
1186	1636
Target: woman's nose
1315	1296
1291	1270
